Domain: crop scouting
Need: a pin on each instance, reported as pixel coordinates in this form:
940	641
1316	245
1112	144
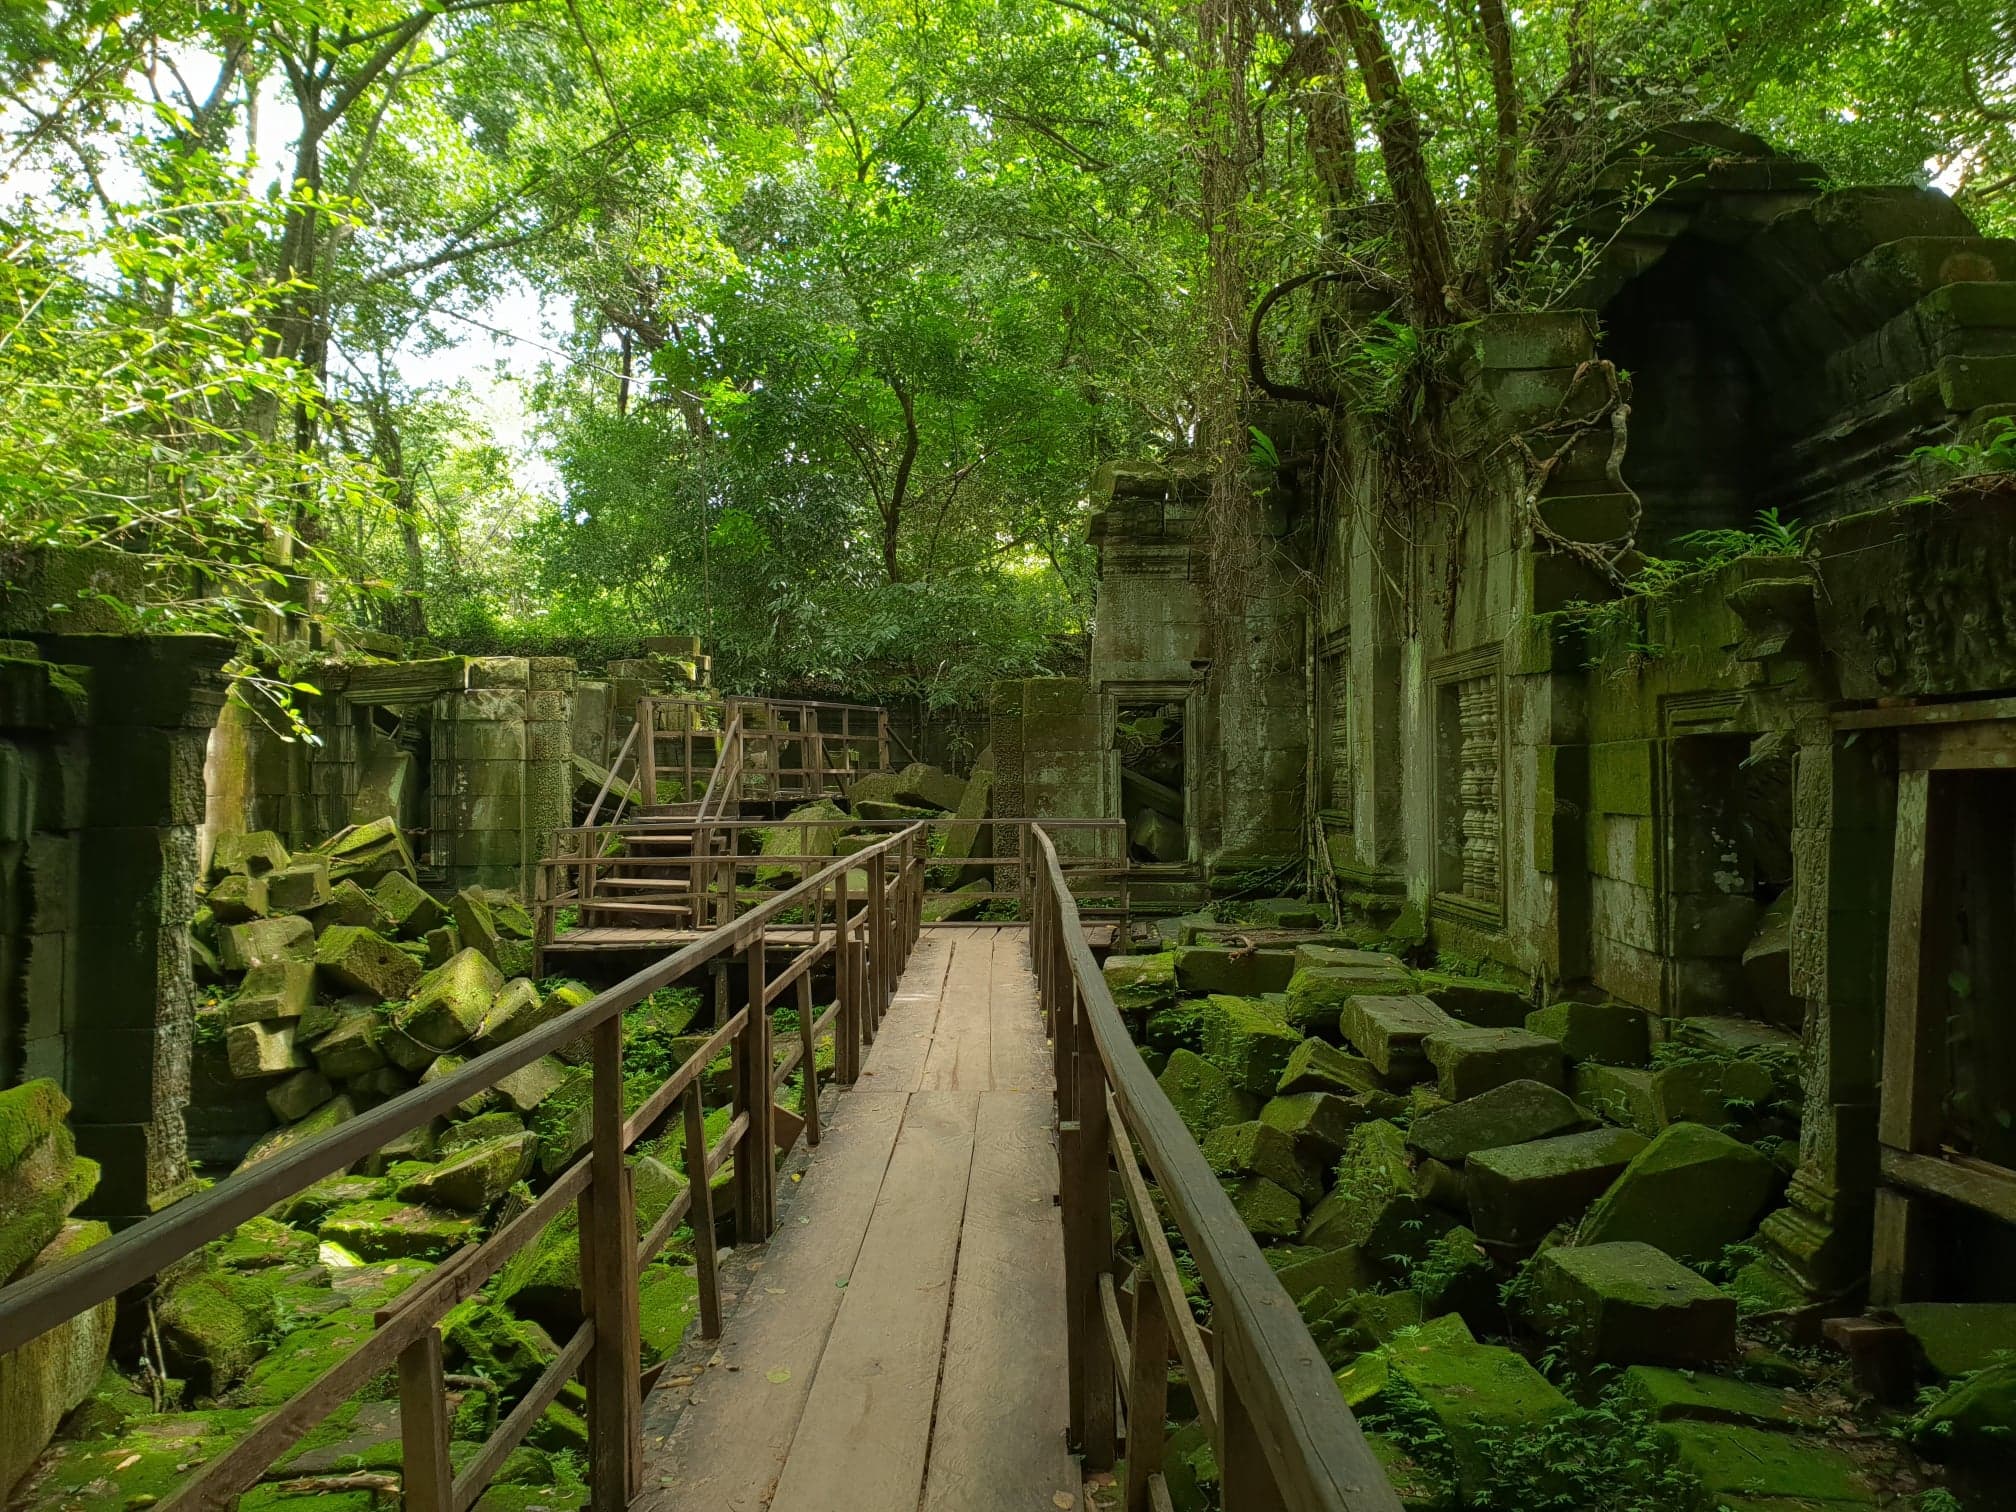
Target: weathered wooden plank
1021	1051
895	1062
961	1057
999	1440
729	1443
863	1437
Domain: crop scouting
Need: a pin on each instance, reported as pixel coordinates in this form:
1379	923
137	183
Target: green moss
28	1114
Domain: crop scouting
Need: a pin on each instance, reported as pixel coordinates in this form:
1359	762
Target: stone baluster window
1469	782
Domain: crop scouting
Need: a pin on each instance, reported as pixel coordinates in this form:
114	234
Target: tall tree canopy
847	301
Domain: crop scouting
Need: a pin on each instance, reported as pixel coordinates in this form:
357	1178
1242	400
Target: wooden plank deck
902	1343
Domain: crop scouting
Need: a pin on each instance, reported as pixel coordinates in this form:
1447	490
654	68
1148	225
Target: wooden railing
787	749
867	938
1281	1432
631	872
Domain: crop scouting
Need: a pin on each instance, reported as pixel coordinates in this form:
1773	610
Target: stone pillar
125	830
1845	805
502	776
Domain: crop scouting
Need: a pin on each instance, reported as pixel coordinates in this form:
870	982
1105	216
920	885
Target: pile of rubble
1454	1184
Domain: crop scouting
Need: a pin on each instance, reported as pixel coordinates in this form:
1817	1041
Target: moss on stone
1203	1095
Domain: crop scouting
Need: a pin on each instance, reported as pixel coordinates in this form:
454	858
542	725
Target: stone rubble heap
1451	1182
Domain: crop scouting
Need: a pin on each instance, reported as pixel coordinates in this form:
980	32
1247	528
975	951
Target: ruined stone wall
502	777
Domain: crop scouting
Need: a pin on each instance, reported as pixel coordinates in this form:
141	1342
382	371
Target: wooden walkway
899	1346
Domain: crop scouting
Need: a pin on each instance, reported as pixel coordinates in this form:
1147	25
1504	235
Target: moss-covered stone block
1203	1095
1318	1123
387	1230
1517	1112
1376	1204
256	1050
240	947
236	898
1234	971
1247	1041
1317	1066
362	960
248	855
668	1300
1627	1303
1692	1192
54	1372
449	1003
339	1109
302	884
1616	1034
529	1086
299	1095
470	1178
1317	994
368	853
1140	984
1669	1395
1760	1470
351	1047
1519	1192
1388	1032
1469	1062
1975	1417
351	905
304	1355
1268	1209
1475	1000
214	1327
1260	1149
1476	1394
1456	1276
276	990
1957	1338
410	909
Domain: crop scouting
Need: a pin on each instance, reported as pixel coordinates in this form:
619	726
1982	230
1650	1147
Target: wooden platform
608	937
900	1342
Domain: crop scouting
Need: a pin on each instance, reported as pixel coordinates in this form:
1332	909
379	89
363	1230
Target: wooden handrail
1282	1432
610	776
868	945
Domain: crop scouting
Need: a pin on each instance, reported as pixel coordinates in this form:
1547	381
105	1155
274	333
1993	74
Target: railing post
647	757
609	1289
878	937
701	1218
810	1044
1147	1387
754	1161
847	1025
1245	1480
426	1480
1093	1236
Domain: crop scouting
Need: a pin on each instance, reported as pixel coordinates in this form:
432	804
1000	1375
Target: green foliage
1994	451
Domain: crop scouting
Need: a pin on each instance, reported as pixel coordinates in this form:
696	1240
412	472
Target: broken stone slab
1749	1469
1518	1192
929	786
1477	1395
1141	983
1260	1149
1317	994
1237	971
1469	1062
40	1192
1958	1338
442	942
263	1049
1203	1096
1648	1100
448	1005
1456	1276
1318	956
1388	1032
1248	1041
414	1144
251	855
385	1229
339	1109
240	947
445	1066
483	1126
299	1095
1974	1417
276	990
1340	1271
1692	1192
1615	1034
50	1375
298	886
235	898
1517	1112
1669	1395
350	904
367	852
1478	1001
411	909
1376	1204
1318	1066
370	1088
514	1011
1318	1123
361	960
474	1176
1268	1209
1626	1303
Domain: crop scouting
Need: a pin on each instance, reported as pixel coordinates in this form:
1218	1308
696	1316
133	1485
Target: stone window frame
1334	650
1444	677
1189	693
